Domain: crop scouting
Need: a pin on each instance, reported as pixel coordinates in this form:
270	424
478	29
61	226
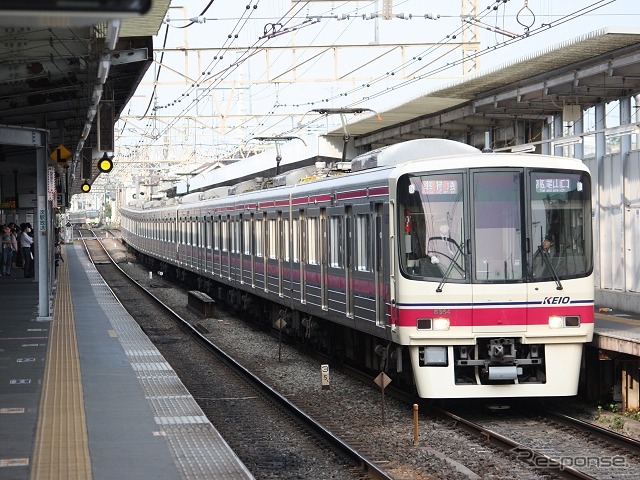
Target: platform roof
600	66
48	69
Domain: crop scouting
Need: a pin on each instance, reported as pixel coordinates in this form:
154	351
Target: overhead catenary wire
421	60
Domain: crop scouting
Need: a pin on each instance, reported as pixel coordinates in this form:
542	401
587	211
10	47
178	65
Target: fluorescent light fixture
525	148
113	31
97	94
621	130
103	69
566	141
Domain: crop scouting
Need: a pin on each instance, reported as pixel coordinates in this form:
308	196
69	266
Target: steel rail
367	465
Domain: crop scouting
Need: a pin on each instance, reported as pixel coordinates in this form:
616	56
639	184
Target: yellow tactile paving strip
61	449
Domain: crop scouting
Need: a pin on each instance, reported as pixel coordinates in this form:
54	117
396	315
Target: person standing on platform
25	247
14	245
6	254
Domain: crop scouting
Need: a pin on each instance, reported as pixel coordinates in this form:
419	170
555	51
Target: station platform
617	331
85	394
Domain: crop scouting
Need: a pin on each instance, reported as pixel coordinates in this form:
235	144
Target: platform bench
201	302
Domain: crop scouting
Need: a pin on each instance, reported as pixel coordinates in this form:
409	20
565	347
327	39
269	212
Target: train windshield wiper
546	258
445	277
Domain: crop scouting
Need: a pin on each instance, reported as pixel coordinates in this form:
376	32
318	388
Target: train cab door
496	261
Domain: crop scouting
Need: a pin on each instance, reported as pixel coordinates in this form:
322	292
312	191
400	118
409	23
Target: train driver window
431	225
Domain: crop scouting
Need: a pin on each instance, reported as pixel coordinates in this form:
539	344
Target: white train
467	273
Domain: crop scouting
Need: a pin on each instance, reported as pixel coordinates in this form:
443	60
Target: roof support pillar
558	130
545	146
578	128
596	174
41	231
625	119
625	149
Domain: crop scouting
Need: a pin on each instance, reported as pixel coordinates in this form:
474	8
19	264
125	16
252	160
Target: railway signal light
105	164
86	187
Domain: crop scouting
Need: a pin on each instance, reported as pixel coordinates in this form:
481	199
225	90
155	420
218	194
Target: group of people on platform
17	249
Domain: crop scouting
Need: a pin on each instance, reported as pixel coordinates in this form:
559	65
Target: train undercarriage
342	345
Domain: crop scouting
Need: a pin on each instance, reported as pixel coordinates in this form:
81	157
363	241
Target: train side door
302	230
323	239
337	269
216	245
348	260
295	263
209	243
378	265
228	226
280	250
200	247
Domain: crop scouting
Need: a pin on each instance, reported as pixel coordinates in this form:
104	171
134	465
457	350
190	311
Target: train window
207	233
224	234
363	243
259	236
232	235
246	236
236	235
431	225
286	238
560	224
295	241
313	241
498	225
216	235
335	241
273	238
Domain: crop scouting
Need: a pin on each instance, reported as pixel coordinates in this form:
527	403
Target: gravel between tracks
443	451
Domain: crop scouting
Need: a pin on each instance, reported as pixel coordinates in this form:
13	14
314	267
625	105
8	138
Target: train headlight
441	324
558	321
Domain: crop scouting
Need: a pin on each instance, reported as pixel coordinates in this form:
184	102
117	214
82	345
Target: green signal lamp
105	164
86	187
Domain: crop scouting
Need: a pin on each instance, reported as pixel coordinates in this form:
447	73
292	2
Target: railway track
486	450
273	437
557	443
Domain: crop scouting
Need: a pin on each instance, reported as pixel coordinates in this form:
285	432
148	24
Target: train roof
366	169
419	149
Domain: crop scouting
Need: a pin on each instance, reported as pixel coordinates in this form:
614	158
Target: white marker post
324	372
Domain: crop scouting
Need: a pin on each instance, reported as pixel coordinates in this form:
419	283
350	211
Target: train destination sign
553	185
442	186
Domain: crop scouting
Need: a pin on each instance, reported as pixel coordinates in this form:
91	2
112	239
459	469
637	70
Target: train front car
493	285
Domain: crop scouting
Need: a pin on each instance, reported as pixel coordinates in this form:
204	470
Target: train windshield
496	226
432	211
